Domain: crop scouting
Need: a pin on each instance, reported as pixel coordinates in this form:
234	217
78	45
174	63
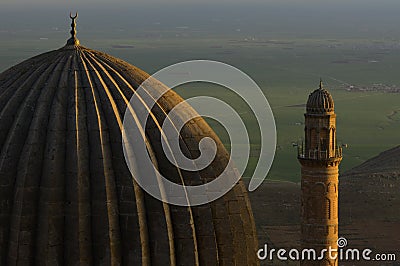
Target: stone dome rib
66	193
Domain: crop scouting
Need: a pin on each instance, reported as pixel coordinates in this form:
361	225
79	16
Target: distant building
320	158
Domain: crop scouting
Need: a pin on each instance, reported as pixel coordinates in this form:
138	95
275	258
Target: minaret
73	40
319	157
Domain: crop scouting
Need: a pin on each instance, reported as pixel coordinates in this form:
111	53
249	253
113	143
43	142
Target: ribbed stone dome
66	194
320	101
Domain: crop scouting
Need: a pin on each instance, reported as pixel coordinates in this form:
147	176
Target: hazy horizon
358	19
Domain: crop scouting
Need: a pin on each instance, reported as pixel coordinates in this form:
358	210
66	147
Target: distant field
287	70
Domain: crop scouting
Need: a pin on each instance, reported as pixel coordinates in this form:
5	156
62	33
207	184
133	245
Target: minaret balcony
317	154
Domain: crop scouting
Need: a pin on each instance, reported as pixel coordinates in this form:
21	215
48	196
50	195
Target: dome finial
73	40
320	84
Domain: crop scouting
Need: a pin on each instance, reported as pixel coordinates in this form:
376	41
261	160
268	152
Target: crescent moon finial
73	40
73	17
